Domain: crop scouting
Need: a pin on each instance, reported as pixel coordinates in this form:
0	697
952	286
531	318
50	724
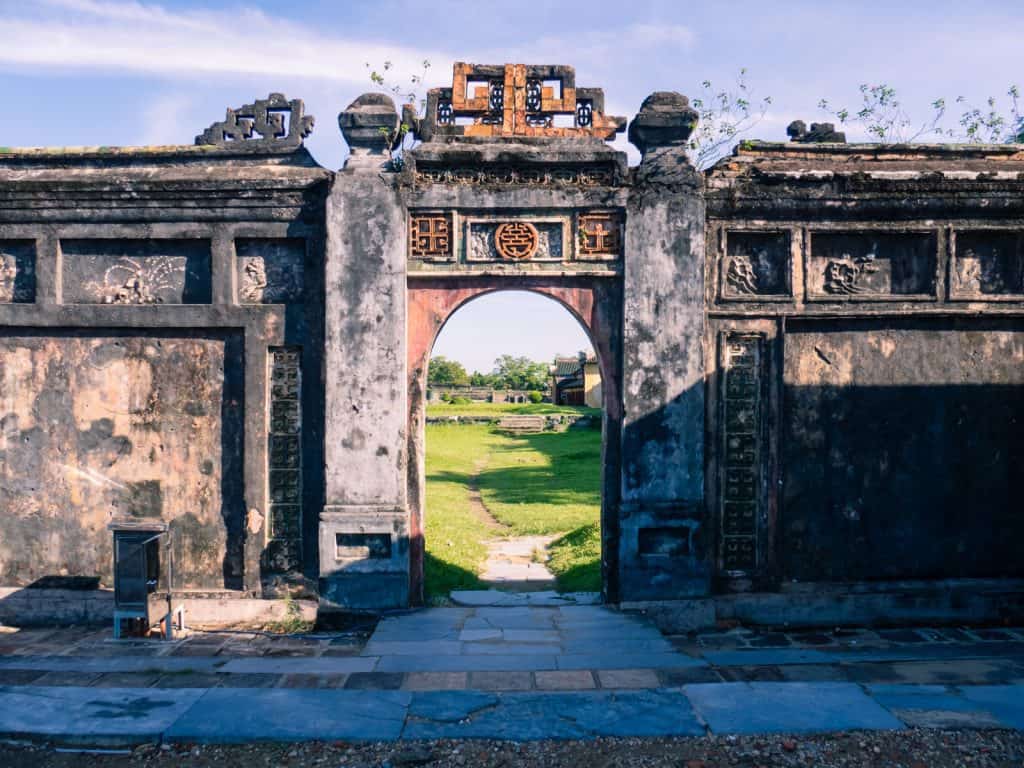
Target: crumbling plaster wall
94	428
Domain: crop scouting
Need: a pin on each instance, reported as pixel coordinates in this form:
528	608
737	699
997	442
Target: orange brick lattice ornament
516	241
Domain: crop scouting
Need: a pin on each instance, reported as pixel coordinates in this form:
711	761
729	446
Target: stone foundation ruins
812	354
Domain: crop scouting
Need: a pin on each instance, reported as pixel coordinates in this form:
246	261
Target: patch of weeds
292	623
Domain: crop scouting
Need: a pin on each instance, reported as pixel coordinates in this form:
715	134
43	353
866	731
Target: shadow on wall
901	482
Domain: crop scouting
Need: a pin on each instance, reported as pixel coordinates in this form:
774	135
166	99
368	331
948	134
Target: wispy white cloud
144	38
163	118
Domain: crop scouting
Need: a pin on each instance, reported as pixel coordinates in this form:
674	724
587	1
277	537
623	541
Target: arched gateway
813	355
500	195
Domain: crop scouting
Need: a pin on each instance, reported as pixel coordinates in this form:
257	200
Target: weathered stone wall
901	442
119	426
161	351
811	355
866	330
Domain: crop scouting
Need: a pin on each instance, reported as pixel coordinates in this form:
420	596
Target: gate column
364	529
663	545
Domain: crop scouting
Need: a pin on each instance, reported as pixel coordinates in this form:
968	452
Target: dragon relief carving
741	275
843	276
8	278
968	273
254	280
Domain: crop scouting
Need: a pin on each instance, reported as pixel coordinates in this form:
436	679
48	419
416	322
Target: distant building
576	381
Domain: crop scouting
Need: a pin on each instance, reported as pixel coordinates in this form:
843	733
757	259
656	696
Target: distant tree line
509	372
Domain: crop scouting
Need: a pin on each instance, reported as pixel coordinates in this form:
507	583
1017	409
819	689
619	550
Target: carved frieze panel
516	240
17	271
270	270
583	176
137	272
871	266
757	266
987	265
284	457
741	466
599	235
431	236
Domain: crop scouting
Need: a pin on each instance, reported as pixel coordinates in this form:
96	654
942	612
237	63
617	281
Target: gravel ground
906	749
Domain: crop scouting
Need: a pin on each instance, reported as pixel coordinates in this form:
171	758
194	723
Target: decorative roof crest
277	121
515	100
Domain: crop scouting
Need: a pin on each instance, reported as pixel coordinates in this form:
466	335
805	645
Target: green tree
478	379
443	372
521	373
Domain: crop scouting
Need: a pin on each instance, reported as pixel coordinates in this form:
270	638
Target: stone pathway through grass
494	500
513	563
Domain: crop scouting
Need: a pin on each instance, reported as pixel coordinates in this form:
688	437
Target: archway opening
514	450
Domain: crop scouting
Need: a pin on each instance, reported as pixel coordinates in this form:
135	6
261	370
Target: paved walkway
507	673
518	564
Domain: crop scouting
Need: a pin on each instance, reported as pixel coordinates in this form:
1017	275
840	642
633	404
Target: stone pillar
364	528
664	546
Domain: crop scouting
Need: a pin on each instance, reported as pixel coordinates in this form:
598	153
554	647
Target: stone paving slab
751	708
627	661
476	663
105	664
126	716
1004	701
112	716
540	599
932	706
521	716
292	715
331	665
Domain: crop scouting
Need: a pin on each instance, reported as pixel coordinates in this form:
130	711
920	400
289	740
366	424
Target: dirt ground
905	749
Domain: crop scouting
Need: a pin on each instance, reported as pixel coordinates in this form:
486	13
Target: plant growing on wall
726	114
397	142
883	117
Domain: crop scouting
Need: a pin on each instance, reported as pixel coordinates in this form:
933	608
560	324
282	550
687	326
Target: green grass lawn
549	483
497	410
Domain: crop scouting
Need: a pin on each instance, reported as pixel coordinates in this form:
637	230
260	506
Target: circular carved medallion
516	240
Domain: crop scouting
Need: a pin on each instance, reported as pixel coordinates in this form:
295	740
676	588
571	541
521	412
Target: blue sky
87	72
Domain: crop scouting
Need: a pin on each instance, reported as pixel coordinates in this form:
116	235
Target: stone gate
813	354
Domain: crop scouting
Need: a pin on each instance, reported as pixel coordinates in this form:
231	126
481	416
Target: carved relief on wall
742	355
535	240
599	235
757	265
516	240
987	265
136	271
584	176
270	270
430	236
872	265
17	272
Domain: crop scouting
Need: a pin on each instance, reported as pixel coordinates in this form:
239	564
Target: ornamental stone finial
361	123
665	119
265	124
